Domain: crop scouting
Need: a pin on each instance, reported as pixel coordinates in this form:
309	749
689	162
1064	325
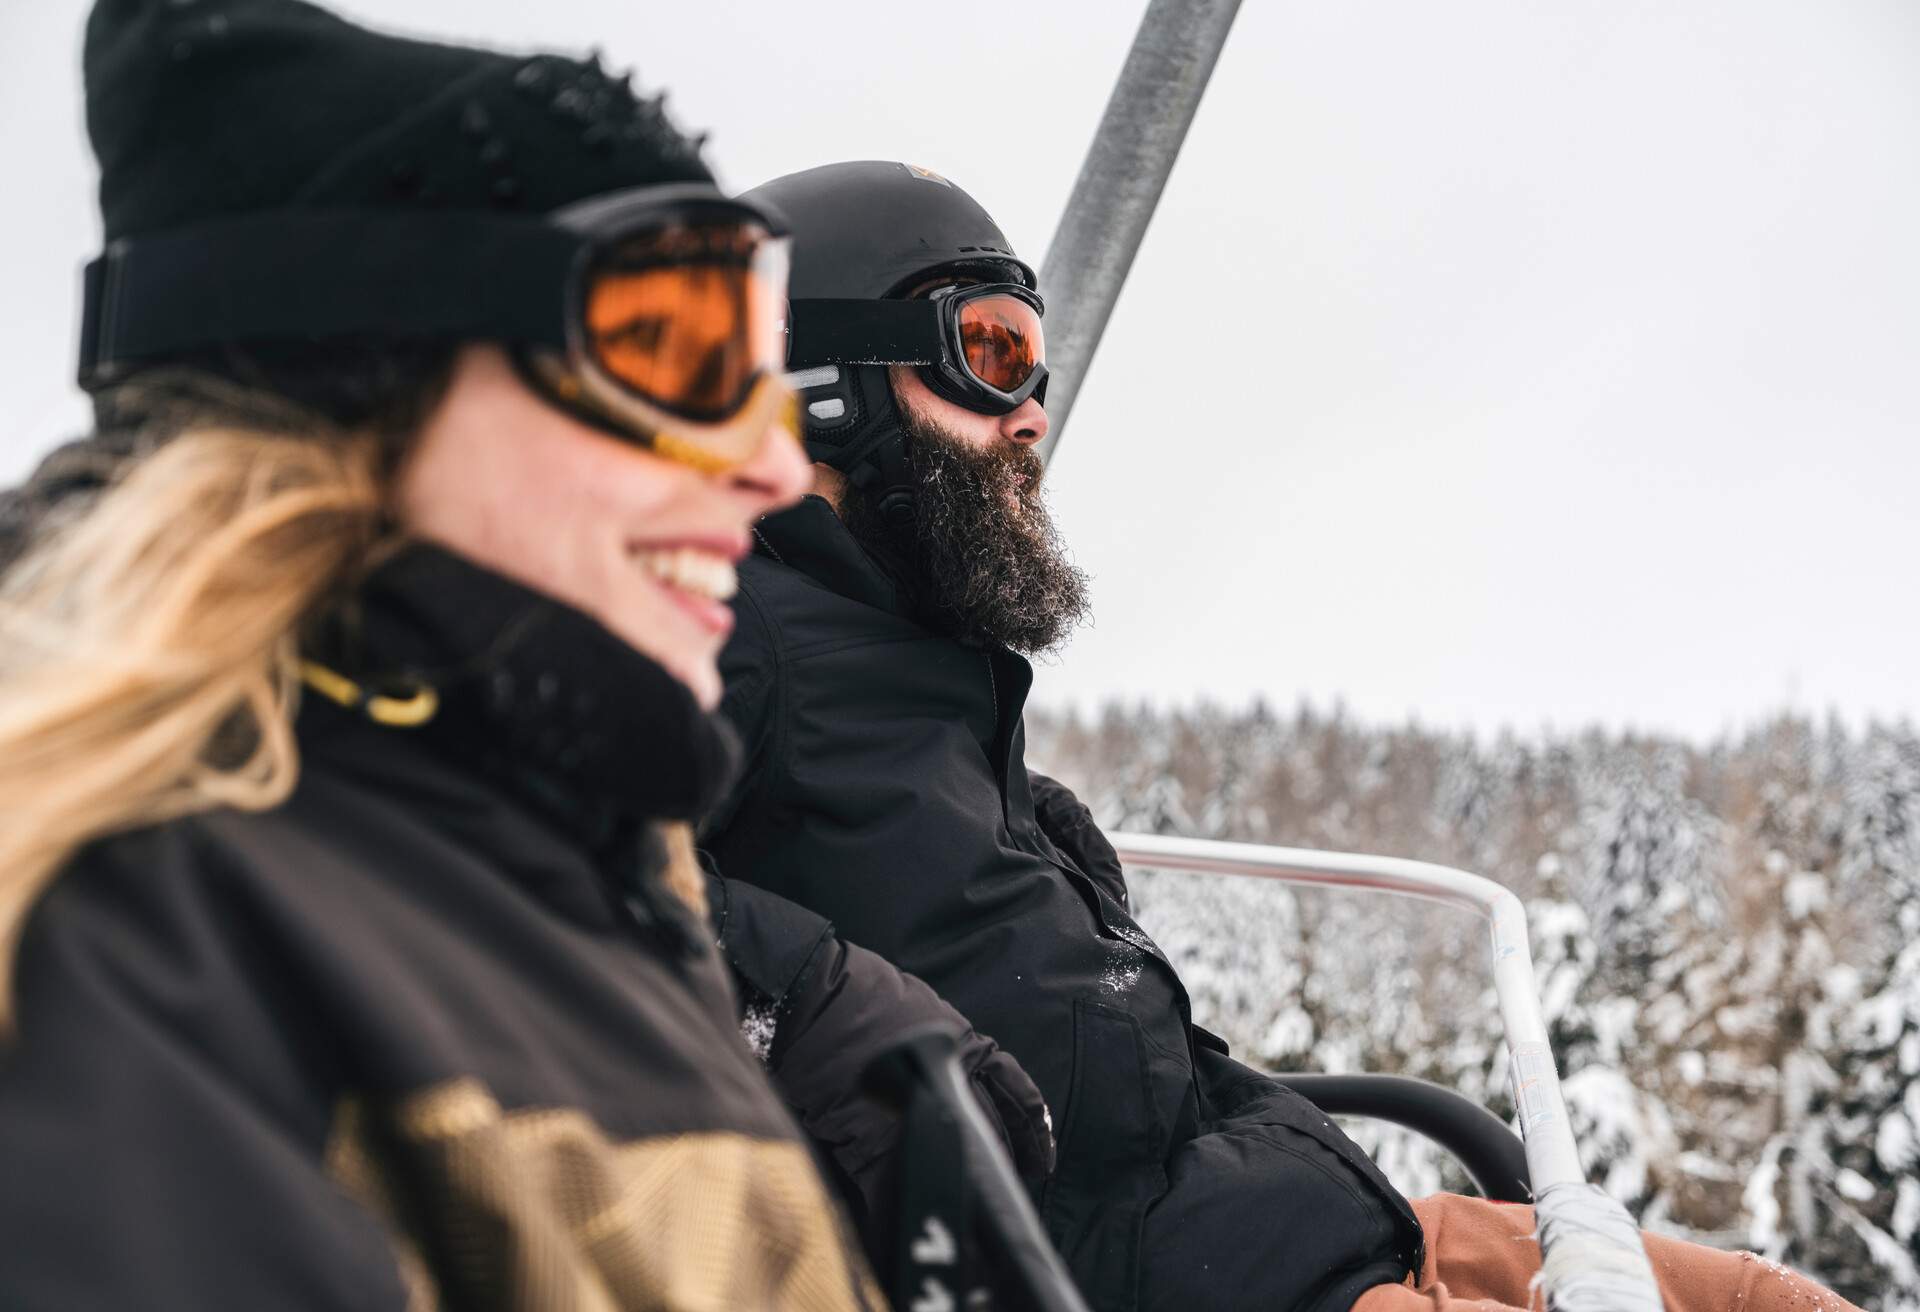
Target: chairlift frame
1119	185
1593	1259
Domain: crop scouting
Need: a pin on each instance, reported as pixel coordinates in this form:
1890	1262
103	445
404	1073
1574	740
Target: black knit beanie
204	108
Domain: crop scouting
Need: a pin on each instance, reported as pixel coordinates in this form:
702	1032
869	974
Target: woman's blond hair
148	643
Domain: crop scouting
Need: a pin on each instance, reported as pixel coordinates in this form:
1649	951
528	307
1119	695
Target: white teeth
691	570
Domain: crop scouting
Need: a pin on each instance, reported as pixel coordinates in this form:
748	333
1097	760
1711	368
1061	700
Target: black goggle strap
826	330
301	276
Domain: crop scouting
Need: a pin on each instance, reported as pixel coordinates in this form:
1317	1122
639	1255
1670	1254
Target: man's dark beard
985	548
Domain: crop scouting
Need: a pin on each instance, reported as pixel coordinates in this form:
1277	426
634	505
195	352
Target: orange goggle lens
1001	340
689	316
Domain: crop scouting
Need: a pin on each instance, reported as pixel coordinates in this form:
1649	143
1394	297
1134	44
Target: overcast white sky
1502	364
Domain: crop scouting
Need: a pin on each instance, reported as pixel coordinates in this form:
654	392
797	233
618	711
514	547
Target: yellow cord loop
409	712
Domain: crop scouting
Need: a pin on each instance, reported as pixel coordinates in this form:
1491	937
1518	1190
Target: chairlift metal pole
1119	186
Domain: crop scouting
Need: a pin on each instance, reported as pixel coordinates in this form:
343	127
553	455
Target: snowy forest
1726	936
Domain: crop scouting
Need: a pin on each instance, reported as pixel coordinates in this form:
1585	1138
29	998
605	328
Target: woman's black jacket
401	1041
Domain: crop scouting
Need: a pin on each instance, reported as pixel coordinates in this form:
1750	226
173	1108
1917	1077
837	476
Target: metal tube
1119	186
1591	1251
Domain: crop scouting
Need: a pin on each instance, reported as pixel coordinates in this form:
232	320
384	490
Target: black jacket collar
535	696
810	538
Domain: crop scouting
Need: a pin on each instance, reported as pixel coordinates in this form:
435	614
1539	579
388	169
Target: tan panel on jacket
537	1211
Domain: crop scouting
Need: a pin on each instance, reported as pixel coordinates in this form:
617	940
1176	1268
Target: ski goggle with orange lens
980	346
657	314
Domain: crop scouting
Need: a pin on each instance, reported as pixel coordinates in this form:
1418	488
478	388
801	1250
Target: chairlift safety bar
1592	1255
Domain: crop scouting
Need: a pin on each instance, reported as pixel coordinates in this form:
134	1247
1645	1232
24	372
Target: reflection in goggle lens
685	317
1000	336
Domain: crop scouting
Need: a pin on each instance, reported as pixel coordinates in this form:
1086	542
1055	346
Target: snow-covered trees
1649	880
1727	940
1868	1136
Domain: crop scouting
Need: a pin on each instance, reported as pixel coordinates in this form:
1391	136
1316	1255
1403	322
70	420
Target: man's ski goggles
979	346
656	314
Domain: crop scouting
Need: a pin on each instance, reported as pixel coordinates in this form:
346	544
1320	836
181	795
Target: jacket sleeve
1067	822
818	1011
140	1168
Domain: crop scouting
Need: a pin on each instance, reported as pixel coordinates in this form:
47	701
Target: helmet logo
921	171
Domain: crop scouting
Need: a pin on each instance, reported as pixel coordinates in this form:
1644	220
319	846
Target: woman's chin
707	690
699	676
695	664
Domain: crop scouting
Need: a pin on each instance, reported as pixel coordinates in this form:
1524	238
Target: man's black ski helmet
876	230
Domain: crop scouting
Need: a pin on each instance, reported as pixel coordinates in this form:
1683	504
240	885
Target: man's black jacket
886	789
